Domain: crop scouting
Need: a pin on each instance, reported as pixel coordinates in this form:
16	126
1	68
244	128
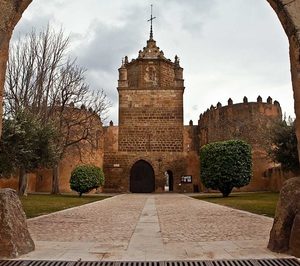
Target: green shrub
84	178
225	165
282	145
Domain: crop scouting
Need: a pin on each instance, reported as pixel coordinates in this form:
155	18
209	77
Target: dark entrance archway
170	180
142	178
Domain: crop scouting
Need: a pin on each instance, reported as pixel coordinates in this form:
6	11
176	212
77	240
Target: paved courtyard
150	227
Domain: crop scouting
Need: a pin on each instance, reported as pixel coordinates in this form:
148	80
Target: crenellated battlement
268	108
244	120
82	112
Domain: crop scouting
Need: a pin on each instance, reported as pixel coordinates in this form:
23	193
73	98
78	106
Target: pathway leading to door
150	227
146	241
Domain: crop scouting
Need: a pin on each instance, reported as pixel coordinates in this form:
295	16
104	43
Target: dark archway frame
142	177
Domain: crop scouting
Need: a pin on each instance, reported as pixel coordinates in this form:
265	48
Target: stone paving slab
150	227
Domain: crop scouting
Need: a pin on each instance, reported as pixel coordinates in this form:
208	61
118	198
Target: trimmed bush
225	165
84	178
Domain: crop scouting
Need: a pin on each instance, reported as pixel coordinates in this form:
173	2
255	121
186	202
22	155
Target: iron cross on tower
151	19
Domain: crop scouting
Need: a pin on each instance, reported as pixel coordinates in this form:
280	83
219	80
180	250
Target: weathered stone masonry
150	124
151	103
248	121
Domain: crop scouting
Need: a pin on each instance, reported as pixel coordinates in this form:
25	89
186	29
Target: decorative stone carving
15	239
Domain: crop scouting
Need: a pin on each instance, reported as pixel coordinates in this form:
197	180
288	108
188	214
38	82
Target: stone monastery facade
151	150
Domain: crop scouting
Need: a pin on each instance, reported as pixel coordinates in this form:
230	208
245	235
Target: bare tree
42	79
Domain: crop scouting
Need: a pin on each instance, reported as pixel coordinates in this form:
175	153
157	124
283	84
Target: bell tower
151	91
151	150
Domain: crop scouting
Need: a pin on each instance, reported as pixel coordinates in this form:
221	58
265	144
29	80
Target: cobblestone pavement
107	221
150	227
202	221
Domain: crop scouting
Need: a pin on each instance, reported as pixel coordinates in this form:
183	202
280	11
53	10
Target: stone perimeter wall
41	180
85	152
248	121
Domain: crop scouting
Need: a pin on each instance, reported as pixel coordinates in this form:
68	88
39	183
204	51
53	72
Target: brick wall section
117	164
151	120
117	168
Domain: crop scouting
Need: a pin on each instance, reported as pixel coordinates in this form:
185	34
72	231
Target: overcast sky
231	48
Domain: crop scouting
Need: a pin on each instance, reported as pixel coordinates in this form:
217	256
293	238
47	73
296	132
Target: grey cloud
225	46
110	43
192	15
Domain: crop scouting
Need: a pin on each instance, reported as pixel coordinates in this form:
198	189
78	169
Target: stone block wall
276	178
140	72
117	168
66	166
151	120
247	121
84	152
117	164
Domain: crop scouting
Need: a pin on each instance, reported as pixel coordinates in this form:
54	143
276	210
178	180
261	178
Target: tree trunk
55	180
226	191
22	182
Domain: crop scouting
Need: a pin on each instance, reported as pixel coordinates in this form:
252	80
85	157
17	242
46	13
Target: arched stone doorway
142	178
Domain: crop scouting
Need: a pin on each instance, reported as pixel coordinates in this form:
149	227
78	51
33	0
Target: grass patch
36	205
263	203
